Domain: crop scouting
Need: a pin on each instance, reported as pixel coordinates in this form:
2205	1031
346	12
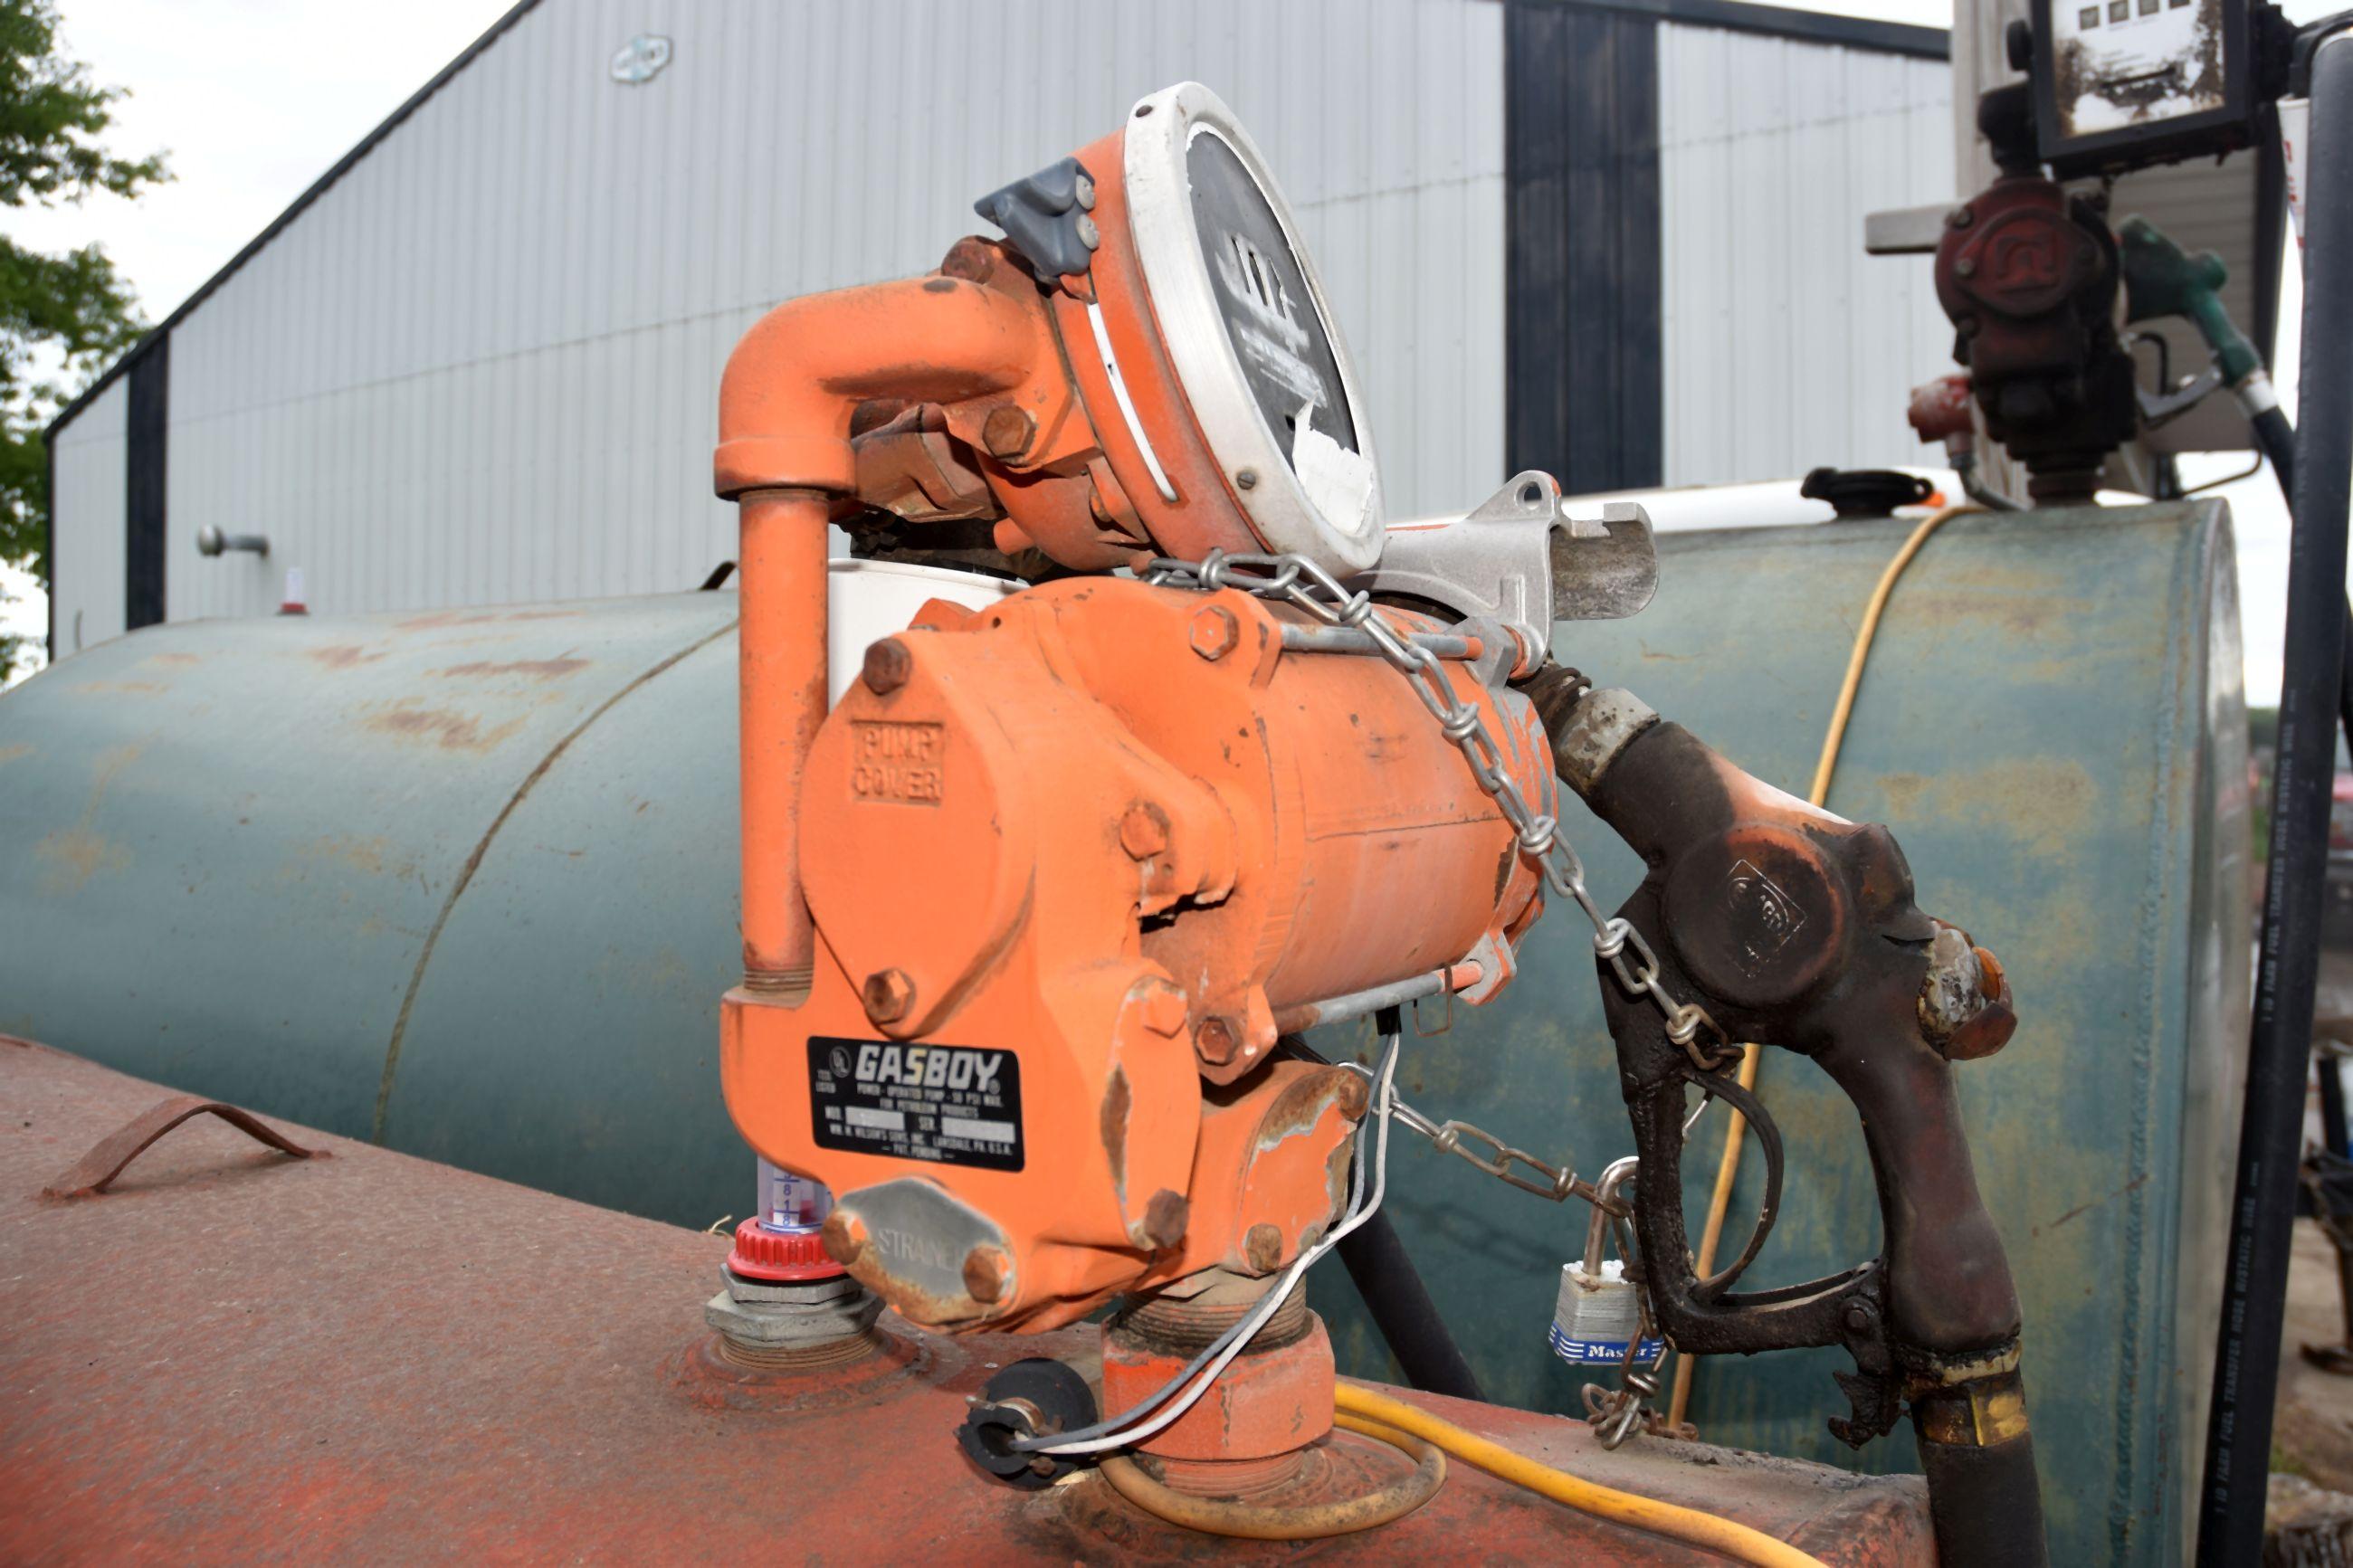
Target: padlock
1597	1314
1599	1309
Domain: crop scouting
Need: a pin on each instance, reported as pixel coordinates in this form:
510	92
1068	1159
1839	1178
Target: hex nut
1144	830
1006	432
1215	1040
1164	1007
1215	631
1262	1248
986	1270
775	1324
888	995
795	1292
1164	1218
844	1236
888	665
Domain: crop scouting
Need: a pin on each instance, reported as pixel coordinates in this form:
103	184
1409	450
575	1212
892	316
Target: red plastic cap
780	1256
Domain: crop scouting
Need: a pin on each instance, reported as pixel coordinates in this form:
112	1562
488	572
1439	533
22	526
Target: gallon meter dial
1248	329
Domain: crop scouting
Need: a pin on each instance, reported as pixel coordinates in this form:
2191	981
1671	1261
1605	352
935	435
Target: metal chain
1295	580
1558	1183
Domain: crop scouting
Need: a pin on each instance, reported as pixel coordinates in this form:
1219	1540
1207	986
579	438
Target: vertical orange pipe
782	675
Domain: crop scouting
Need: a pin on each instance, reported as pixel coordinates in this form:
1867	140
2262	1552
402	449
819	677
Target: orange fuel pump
1026	911
1024	915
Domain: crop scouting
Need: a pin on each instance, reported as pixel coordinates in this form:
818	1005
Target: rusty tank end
231	1354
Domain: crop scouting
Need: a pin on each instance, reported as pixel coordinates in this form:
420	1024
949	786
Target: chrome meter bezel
1254	460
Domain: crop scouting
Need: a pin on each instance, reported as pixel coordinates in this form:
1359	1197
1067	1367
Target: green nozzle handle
2161	279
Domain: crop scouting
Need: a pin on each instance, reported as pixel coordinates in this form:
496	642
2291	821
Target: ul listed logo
1763	917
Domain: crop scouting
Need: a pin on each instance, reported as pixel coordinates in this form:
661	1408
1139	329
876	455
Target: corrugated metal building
478	361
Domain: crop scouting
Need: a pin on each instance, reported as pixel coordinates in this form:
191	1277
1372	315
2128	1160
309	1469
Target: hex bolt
1164	1009
1965	267
1164	1218
1215	1040
970	259
888	665
1144	830
1215	631
1262	1248
1352	1095
1006	432
887	993
1961	216
844	1236
985	1270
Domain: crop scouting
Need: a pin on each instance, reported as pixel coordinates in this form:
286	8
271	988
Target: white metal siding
483	366
1786	346
90	458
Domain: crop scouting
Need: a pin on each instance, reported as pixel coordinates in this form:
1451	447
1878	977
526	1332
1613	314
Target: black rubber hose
1384	1275
2263	1209
2276	436
1974	1497
1402	1309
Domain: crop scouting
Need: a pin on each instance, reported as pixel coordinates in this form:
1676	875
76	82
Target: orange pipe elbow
784	407
793	381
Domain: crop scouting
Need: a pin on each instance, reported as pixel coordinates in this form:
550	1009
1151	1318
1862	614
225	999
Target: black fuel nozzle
1784	925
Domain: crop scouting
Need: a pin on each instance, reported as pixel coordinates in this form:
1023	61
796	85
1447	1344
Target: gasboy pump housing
1026	913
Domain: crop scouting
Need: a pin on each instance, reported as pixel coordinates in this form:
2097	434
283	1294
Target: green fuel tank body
465	883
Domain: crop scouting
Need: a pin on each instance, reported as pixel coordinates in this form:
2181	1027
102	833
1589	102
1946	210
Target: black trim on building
1782	22
155	337
49	521
145	467
1582	395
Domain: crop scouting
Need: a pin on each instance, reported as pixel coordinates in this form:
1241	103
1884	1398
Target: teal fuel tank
466	883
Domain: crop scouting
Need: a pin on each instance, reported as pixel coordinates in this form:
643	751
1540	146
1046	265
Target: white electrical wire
1125	1429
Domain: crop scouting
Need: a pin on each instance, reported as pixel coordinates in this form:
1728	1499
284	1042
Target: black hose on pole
1402	1309
2239	1427
2276	436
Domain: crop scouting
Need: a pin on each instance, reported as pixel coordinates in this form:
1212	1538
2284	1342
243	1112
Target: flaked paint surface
221	1412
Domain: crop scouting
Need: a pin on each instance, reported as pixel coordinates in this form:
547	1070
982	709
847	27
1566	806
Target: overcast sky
255	98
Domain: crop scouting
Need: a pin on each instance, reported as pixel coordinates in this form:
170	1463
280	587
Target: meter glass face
1280	339
2128	65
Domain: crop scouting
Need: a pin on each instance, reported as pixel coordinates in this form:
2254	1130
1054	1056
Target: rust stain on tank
536	668
11	753
478	618
176	660
122	688
443	727
76	854
2043	802
341	655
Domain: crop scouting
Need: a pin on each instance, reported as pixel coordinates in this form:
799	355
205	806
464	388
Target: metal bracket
1518	558
94	1172
2159	407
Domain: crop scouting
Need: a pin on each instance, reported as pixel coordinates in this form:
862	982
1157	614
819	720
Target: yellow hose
1720	1199
1737	1541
